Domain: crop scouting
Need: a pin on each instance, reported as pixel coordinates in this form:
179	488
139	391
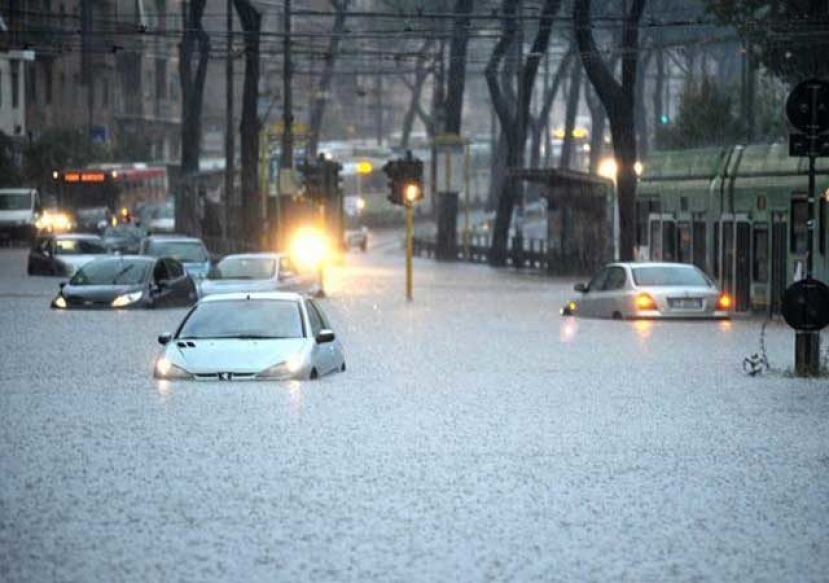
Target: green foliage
61	148
706	118
789	36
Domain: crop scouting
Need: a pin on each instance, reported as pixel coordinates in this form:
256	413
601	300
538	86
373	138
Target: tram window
716	251
669	241
699	244
642	222
656	236
799	241
824	223
684	249
760	268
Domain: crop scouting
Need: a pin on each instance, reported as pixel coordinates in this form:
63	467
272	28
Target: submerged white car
255	336
625	291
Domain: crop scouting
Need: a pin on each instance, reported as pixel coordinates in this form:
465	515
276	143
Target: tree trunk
539	125
416	88
570	118
515	126
598	119
618	100
192	92
658	95
641	108
457	66
249	127
321	98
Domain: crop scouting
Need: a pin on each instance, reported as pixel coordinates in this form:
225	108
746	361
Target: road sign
806	305
807	106
801	145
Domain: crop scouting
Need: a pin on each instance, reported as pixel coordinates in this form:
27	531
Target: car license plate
685	303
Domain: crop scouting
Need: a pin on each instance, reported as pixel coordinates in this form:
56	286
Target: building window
684	249
1	89
47	85
824	221
105	91
62	89
161	79
15	67
76	88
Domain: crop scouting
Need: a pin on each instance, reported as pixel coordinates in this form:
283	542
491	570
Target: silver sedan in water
251	336
649	291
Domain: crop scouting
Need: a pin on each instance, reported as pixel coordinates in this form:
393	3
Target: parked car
128	281
649	291
63	254
124	239
191	252
254	272
357	238
257	336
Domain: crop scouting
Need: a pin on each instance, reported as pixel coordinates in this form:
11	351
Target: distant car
190	251
63	254
128	281
123	239
649	291
357	238
158	218
257	336
256	272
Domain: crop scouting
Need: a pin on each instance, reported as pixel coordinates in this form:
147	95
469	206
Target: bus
96	195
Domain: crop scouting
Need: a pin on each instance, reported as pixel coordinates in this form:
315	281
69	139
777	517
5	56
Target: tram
739	213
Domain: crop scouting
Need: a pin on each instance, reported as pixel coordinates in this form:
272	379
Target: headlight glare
126	299
60	302
285	368
165	369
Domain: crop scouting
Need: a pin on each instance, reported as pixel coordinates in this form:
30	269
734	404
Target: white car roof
254	256
654	264
243	296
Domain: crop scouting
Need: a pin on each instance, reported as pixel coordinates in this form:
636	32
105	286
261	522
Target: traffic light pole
409	229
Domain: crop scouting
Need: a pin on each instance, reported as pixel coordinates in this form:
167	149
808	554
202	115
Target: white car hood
231	355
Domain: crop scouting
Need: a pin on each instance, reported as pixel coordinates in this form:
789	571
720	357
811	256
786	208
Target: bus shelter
582	225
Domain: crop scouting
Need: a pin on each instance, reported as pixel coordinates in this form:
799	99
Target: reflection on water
568	329
725	325
644	328
295	397
163	388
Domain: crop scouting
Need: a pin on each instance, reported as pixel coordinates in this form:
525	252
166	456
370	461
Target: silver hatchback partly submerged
625	291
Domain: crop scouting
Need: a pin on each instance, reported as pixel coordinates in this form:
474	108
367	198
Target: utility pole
287	157
230	170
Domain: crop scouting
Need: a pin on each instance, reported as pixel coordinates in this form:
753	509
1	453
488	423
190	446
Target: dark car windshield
244	319
112	272
183	251
79	247
659	275
15	202
244	268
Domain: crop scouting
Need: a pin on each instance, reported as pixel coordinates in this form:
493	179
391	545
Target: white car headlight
285	368
165	369
60	302
127	299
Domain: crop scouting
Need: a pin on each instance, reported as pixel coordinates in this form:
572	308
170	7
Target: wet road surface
477	436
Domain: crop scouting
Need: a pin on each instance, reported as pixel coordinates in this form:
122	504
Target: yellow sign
450	140
278	128
364	167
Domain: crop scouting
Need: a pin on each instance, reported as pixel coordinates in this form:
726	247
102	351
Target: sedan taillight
724	302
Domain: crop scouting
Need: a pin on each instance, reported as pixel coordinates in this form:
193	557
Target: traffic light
312	181
405	180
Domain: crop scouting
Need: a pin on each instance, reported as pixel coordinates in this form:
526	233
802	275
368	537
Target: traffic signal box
322	188
405	180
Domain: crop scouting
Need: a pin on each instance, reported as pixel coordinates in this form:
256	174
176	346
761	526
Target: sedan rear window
247	319
244	268
658	275
79	247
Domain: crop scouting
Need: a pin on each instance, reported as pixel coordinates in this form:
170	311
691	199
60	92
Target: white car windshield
15	202
79	247
668	276
236	267
244	319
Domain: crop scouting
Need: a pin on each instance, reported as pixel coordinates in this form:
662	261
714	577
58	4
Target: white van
19	210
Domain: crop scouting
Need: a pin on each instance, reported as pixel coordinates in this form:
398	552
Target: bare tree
416	88
320	99
573	100
538	124
618	99
514	117
250	222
